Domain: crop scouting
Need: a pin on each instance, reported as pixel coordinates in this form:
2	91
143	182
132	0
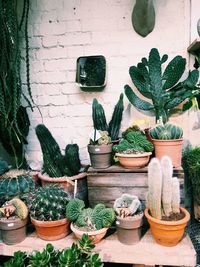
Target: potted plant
47	210
168	140
100	150
94	222
129	218
61	169
166	218
162	87
13	220
134	150
80	254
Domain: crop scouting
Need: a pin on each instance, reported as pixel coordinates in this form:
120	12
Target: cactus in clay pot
164	190
166	132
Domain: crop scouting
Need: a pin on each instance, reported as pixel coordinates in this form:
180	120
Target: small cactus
166	132
164	190
104	139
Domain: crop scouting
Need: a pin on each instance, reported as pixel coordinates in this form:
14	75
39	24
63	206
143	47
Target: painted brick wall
63	30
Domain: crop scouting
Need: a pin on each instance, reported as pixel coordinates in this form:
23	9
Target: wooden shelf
194	48
146	252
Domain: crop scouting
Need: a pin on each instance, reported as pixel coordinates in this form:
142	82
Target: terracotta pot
100	156
167	233
51	230
129	229
68	184
13	230
133	161
96	236
171	148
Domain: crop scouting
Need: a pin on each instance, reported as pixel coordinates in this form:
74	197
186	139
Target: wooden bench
146	253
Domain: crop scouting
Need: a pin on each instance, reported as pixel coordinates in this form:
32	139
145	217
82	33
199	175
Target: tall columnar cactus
164	190
162	87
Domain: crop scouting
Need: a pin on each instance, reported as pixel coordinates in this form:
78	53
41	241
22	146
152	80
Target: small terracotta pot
96	236
51	230
100	156
13	231
133	161
168	233
171	148
129	229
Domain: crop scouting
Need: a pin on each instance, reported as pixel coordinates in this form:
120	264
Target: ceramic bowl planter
51	230
129	229
131	161
13	230
168	233
96	236
100	156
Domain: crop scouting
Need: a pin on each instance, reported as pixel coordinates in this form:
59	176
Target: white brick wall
63	30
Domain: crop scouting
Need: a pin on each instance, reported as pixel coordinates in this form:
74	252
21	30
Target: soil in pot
51	230
95	235
129	229
168	233
13	230
100	156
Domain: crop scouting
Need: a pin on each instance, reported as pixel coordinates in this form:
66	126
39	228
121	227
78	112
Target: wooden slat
146	252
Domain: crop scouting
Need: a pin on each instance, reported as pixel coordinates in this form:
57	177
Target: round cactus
166	132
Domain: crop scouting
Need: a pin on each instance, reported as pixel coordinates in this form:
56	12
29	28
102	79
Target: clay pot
100	156
171	148
133	161
96	236
129	229
167	233
51	230
13	230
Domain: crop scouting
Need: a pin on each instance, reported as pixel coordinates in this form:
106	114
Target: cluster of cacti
48	203
162	88
104	139
134	141
164	190
99	118
16	183
94	219
3	167
127	205
166	132
54	163
15	207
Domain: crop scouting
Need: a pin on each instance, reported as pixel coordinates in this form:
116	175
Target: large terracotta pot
171	148
167	233
129	229
100	156
133	161
96	236
51	230
13	230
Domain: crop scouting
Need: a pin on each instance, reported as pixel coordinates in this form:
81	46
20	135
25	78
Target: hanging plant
14	121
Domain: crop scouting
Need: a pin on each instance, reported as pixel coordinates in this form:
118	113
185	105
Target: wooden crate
105	185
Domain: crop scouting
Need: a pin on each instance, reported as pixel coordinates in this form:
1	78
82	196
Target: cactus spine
164	190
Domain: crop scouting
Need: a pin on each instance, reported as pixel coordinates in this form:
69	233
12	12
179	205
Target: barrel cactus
48	203
93	219
166	132
16	183
164	190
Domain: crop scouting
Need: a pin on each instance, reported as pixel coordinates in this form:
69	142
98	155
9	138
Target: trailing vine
14	121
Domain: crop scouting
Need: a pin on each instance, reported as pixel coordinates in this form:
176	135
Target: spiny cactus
48	203
93	219
164	190
16	183
16	207
127	205
104	139
166	132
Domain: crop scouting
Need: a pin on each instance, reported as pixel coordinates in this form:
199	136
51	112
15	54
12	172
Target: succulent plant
135	142
48	203
94	219
164	190
16	183
16	207
3	167
163	89
127	205
104	139
166	132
